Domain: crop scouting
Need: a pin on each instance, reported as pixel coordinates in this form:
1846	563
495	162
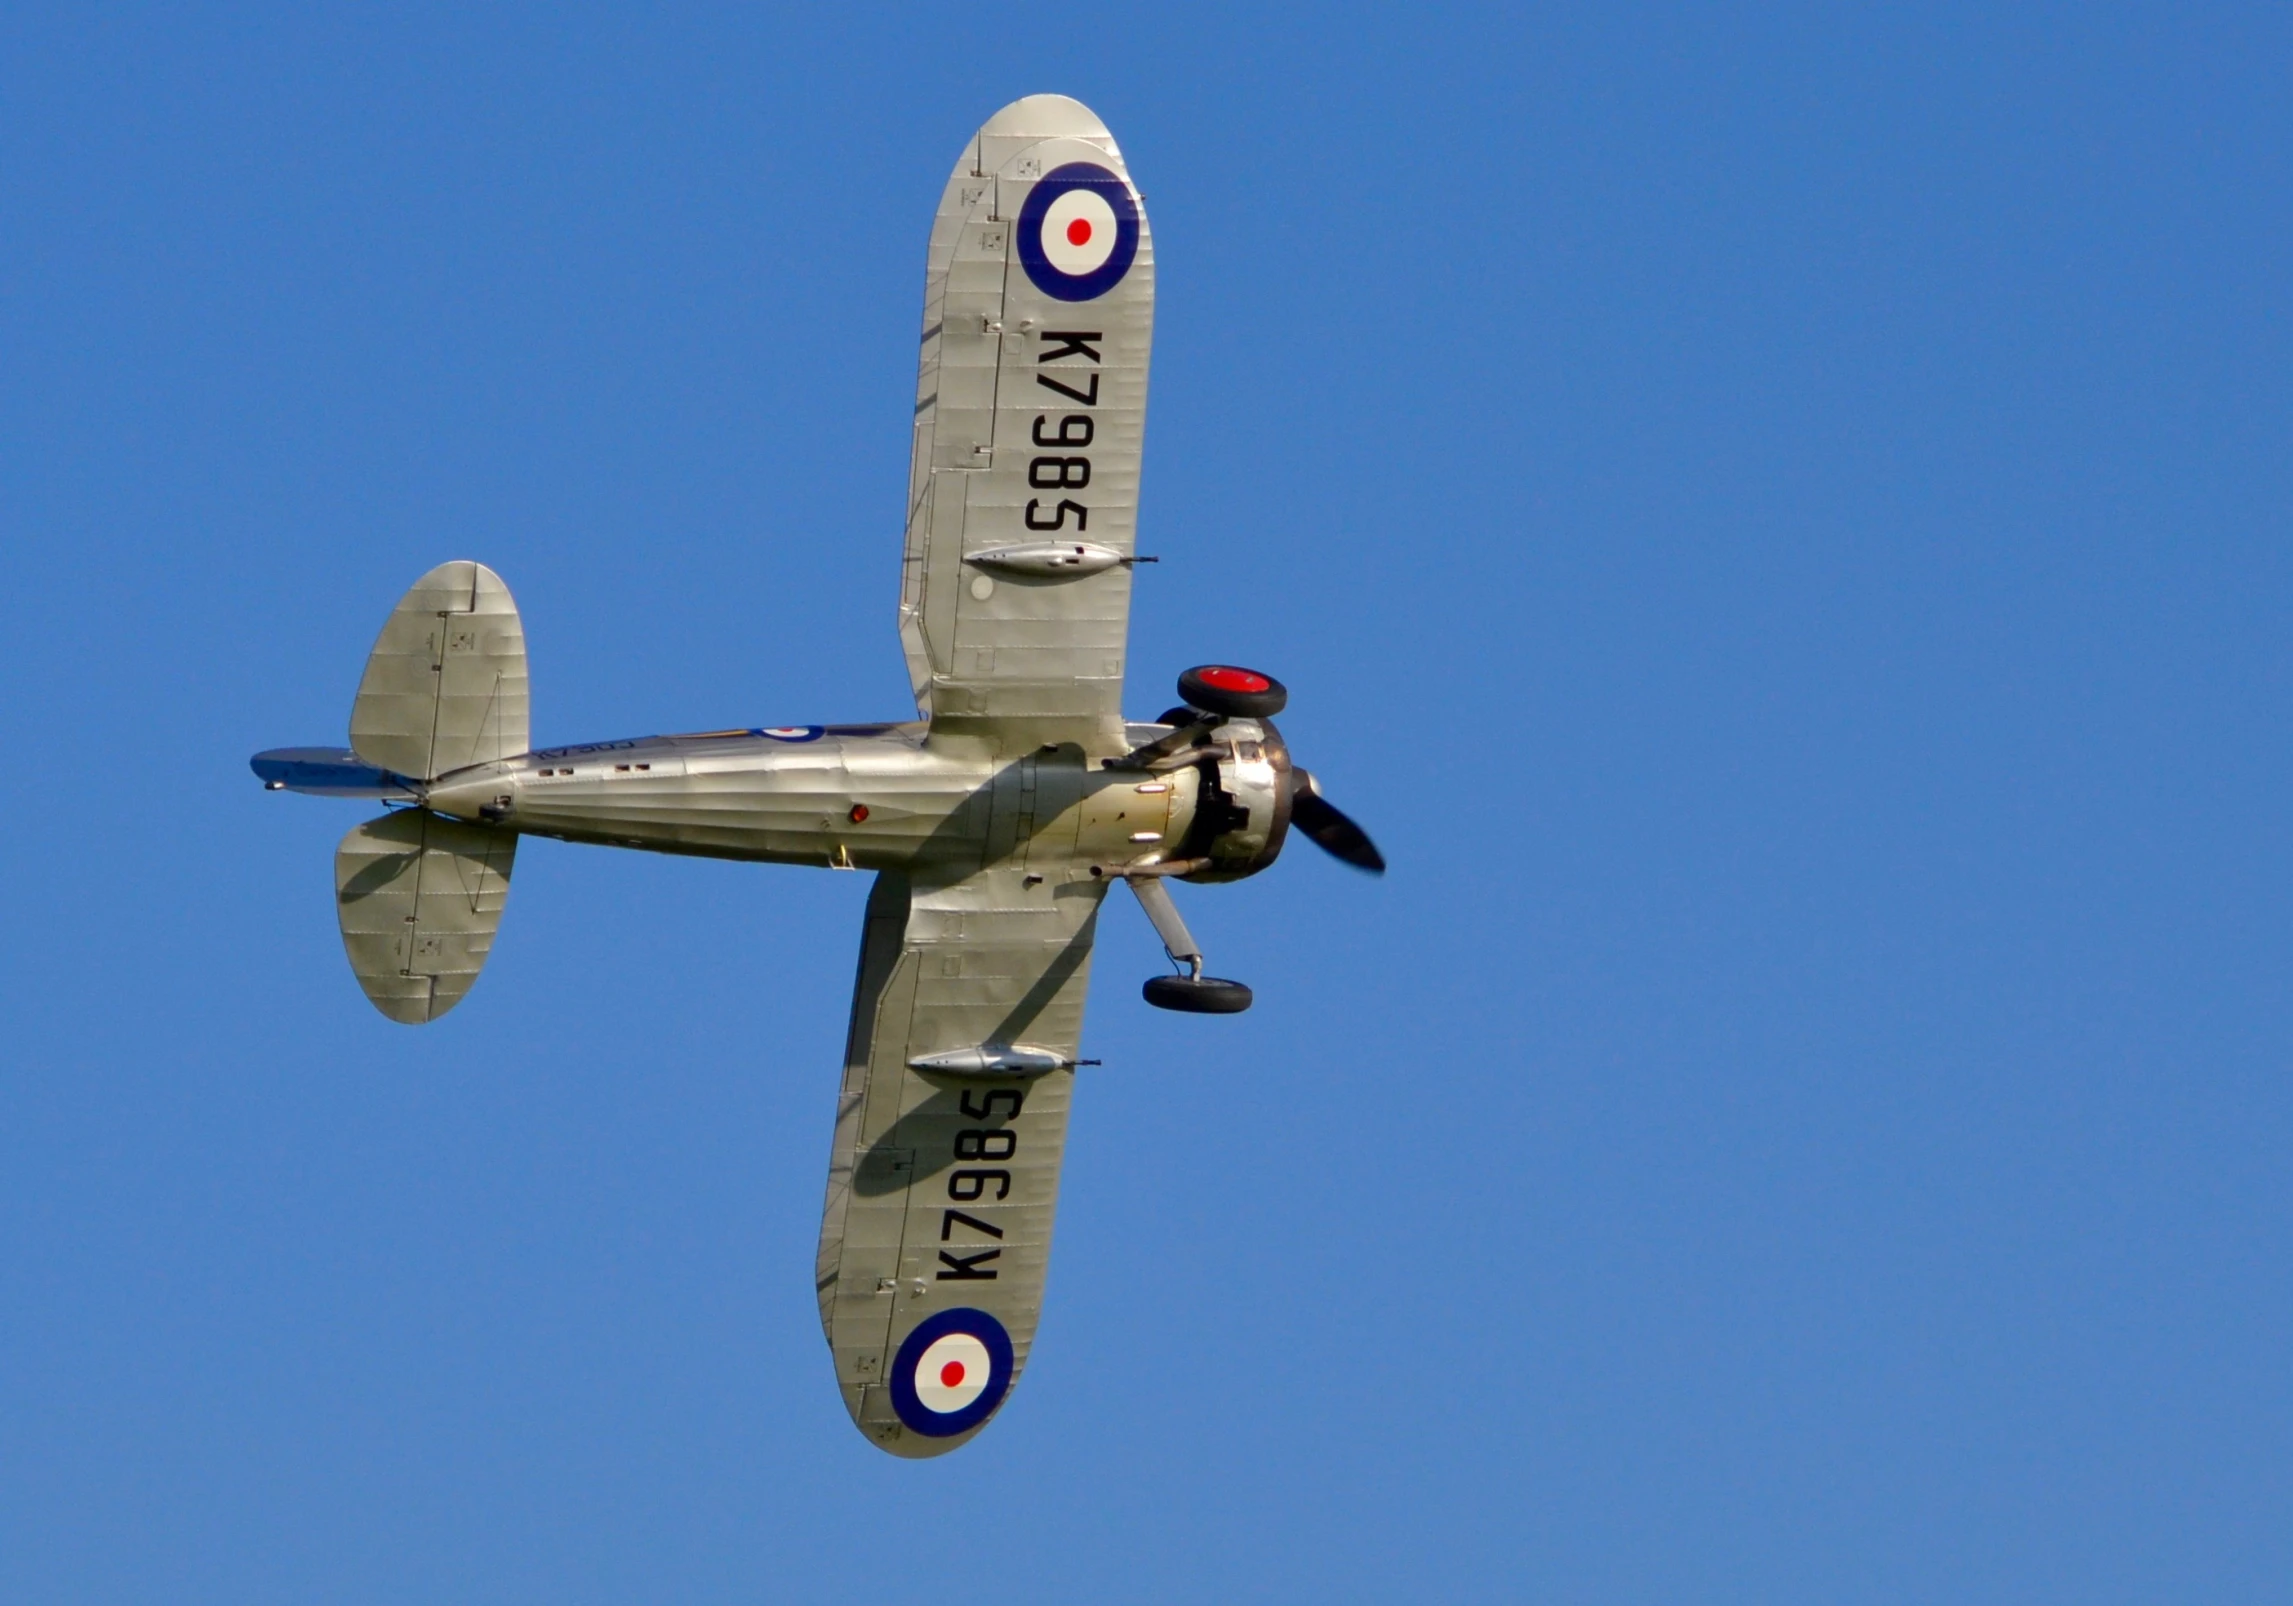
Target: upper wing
944	1177
1030	414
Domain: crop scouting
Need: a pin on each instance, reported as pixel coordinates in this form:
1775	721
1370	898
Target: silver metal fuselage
861	797
995	823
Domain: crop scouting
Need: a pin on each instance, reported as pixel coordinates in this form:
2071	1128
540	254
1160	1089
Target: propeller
1237	824
1217	692
1332	830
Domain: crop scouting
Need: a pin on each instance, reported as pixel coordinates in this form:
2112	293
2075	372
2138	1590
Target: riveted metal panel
1030	418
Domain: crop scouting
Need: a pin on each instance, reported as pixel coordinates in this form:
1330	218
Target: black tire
1175	717
1206	995
1232	691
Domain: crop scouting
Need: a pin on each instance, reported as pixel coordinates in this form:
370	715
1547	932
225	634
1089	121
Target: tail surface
445	687
420	895
420	898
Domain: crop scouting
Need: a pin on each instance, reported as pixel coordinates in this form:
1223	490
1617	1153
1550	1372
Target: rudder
445	686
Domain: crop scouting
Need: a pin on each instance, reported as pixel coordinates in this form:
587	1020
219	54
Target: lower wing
949	1132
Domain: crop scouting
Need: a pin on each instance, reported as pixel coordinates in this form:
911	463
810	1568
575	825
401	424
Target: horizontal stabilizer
328	772
420	898
445	687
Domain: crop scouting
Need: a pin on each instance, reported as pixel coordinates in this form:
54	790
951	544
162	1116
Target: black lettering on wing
1065	507
986	1143
949	1218
1072	343
1089	398
1075	430
966	1267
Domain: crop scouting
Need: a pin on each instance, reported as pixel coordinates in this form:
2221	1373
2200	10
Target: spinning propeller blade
1332	830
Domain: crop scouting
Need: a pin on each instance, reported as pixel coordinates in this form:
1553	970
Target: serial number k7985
1062	439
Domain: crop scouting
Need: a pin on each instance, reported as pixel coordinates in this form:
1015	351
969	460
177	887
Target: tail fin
421	898
445	687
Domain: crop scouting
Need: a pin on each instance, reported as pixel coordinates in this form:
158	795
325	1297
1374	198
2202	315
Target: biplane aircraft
995	822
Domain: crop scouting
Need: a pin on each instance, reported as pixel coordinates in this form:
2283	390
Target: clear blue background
1777	521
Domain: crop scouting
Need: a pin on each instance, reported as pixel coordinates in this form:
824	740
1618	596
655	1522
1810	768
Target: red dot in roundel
951	1375
1079	232
1226	679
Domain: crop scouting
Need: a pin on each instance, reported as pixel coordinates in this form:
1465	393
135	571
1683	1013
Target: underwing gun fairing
995	821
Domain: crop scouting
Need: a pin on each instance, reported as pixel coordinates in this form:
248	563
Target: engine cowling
1246	791
1242	802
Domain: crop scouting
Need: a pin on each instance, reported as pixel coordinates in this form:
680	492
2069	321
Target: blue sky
1776	519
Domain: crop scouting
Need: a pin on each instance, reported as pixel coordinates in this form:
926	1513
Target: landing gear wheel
1232	692
1198	995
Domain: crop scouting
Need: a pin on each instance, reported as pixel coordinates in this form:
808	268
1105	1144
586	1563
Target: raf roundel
1078	232
951	1373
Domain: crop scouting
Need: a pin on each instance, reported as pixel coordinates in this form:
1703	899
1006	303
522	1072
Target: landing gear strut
1193	992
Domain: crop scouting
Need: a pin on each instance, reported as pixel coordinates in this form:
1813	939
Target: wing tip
1045	117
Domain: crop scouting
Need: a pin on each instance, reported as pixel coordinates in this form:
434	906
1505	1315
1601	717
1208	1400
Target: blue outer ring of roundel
793	733
1078	286
946	1424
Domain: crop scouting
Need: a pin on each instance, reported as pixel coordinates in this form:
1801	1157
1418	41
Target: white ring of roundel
1078	232
951	1373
